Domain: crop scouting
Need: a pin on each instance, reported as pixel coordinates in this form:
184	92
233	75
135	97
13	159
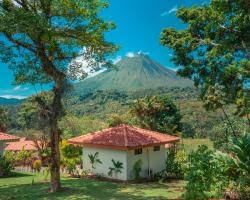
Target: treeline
96	110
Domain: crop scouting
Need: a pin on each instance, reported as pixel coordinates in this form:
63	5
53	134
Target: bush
5	167
137	168
175	163
205	175
37	164
70	156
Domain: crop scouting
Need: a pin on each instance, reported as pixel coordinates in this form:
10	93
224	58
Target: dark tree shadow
75	189
16	175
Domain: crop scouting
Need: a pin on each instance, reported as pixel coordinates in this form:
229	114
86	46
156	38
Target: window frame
138	151
157	148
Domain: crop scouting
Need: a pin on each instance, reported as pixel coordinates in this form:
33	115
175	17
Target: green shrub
10	156
137	168
205	175
70	156
175	163
37	164
5	167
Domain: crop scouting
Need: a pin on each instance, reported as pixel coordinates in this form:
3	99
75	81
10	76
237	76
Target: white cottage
4	138
127	145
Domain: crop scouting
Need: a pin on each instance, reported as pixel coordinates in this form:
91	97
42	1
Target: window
156	148
138	151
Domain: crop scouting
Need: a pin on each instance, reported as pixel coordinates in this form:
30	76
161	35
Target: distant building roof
23	144
124	137
7	137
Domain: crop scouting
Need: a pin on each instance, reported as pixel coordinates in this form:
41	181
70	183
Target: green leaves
214	48
241	149
94	160
117	168
158	113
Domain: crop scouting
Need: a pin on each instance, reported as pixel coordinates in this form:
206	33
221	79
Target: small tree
71	156
94	160
25	157
117	168
158	113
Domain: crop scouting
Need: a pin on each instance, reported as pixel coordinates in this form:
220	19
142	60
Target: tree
214	49
117	168
71	156
94	160
158	113
38	41
4	119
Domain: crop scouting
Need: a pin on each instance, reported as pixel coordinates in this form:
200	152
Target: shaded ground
20	187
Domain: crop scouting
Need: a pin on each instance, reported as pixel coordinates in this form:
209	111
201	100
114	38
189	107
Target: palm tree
94	160
241	149
117	168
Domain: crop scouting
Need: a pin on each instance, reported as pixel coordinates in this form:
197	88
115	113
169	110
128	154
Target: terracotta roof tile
21	145
7	137
124	137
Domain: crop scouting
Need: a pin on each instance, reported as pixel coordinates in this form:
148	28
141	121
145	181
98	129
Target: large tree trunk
54	140
55	158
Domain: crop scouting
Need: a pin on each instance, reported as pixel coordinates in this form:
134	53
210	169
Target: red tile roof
23	144
169	145
124	137
7	137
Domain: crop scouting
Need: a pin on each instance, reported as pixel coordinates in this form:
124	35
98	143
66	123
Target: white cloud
10	96
141	52
130	54
170	55
117	59
85	66
19	88
133	54
172	10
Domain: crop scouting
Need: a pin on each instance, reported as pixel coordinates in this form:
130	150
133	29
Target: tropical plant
176	163
117	168
94	160
5	167
70	156
205	175
24	157
137	168
11	157
41	41
115	120
240	149
158	113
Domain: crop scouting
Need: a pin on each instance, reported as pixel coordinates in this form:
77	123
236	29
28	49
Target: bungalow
4	138
128	145
22	144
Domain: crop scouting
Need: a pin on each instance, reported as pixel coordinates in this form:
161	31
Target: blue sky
139	23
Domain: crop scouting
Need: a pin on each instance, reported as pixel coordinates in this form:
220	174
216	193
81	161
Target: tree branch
19	43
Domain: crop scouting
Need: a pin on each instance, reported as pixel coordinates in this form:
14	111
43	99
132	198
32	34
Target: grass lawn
192	144
20	187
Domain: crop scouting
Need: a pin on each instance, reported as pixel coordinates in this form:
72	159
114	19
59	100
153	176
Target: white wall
105	155
153	160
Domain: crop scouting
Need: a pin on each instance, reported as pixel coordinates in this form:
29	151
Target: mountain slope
138	72
9	102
